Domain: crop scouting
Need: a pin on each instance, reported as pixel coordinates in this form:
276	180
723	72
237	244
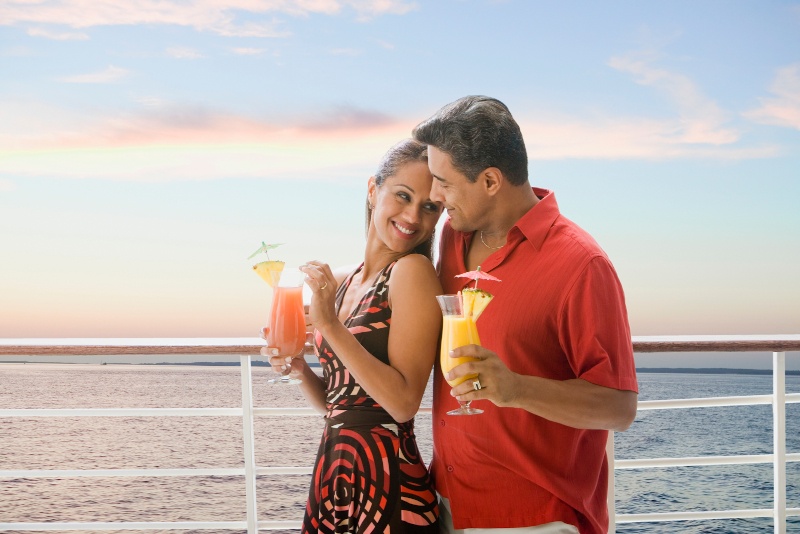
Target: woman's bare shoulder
417	271
414	263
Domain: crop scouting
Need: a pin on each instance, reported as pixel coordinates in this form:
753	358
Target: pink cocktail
287	324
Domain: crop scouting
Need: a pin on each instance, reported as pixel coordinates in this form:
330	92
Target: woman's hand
286	365
320	278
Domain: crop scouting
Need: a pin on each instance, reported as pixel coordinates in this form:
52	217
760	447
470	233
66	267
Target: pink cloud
191	143
783	108
58	36
219	16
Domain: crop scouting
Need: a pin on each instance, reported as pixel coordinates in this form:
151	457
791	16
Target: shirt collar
535	224
532	227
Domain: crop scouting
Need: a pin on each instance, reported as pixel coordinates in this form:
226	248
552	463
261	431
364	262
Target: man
556	362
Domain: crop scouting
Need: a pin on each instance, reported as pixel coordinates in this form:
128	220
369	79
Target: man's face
463	200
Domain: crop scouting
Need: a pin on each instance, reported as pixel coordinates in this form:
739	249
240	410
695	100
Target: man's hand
497	382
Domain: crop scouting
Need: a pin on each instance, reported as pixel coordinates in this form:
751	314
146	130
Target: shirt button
441	423
450	468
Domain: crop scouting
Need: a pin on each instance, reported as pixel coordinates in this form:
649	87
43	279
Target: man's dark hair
477	132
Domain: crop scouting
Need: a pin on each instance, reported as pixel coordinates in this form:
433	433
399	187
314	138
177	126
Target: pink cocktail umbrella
476	275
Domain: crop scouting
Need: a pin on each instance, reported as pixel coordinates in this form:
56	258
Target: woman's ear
372	191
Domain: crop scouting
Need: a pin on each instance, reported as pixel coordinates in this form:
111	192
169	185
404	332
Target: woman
376	336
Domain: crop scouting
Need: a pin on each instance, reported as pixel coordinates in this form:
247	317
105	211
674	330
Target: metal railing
778	345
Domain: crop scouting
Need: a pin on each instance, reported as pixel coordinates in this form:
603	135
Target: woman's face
403	214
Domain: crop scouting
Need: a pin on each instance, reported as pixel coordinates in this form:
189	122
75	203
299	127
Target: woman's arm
413	336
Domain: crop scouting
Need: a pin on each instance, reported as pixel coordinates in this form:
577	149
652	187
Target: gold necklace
489	246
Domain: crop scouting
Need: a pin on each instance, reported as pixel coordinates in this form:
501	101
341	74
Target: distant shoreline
639	370
710	371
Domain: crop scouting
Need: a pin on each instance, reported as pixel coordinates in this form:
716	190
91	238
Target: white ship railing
244	347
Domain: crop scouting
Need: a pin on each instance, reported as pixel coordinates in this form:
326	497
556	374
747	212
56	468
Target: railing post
248	435
779	438
612	504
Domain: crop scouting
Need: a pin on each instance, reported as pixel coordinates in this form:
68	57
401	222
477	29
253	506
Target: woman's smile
405	230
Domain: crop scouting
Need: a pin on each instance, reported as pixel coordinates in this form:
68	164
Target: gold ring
477	385
323	286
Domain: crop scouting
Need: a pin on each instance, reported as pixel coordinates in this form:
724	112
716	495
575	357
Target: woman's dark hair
477	132
405	152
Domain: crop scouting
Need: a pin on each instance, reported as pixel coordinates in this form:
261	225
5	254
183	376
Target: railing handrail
252	345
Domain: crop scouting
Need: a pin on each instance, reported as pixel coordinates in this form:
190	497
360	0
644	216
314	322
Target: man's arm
576	402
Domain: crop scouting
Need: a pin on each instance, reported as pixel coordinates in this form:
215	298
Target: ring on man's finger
476	385
323	286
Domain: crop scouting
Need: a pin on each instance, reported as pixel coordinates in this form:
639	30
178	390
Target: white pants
446	525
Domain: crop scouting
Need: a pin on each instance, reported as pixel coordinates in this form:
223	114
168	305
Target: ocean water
192	442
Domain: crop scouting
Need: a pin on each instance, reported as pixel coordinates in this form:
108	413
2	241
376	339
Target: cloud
111	74
58	36
369	9
701	120
699	129
348	117
551	137
165	143
249	51
181	52
783	109
7	186
224	17
162	141
31	126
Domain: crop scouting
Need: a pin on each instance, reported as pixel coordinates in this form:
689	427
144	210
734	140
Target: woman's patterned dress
368	477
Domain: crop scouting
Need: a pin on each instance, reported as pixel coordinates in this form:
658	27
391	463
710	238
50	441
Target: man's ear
492	179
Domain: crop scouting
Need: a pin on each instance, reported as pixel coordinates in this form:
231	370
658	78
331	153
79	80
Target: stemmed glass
287	321
458	330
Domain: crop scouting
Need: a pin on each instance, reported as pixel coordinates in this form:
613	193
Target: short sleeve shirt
559	313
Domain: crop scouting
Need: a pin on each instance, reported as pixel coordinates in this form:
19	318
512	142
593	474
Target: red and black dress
368	476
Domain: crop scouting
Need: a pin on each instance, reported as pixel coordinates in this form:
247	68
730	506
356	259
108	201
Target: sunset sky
147	148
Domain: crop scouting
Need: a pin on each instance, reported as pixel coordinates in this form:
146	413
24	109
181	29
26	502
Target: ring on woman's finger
324	285
476	385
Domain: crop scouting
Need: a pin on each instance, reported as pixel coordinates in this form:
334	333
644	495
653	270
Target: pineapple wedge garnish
269	271
474	301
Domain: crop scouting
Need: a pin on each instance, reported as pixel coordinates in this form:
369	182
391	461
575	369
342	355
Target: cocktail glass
458	330
287	322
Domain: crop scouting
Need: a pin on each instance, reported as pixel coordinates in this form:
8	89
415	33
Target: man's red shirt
558	312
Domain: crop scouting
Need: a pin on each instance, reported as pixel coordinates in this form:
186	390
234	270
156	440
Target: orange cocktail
457	331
